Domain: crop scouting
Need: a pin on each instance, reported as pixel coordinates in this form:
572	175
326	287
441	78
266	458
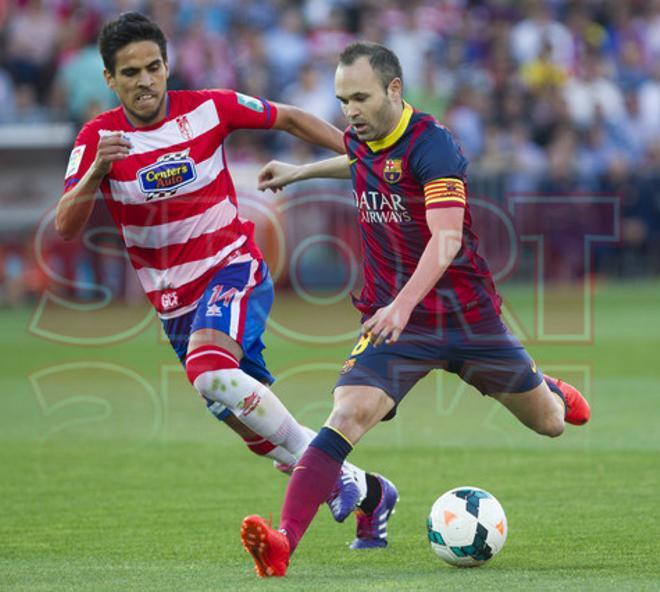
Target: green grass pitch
114	477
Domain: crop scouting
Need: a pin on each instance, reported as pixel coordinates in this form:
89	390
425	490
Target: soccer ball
467	526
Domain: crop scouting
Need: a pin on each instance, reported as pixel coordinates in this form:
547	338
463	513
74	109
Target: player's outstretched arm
276	175
446	226
308	127
76	205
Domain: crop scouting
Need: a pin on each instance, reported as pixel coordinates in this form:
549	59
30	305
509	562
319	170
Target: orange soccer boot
269	547
577	408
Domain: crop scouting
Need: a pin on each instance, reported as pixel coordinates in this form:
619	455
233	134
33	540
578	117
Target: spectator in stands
7	98
555	97
409	41
80	84
285	46
26	106
632	133
636	217
649	100
592	91
31	36
540	26
314	92
542	72
431	95
631	68
203	56
464	117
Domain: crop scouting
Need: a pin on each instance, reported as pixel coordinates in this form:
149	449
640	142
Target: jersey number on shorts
360	346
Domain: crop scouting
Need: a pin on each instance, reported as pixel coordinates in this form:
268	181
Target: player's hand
276	175
111	148
387	323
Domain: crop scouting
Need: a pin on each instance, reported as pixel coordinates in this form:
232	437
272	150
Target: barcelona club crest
348	365
392	170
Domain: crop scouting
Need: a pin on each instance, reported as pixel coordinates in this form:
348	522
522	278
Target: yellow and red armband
446	192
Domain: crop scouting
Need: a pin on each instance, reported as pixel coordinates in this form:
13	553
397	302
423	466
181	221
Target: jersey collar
393	137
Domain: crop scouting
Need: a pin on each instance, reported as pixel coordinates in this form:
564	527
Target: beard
379	123
151	117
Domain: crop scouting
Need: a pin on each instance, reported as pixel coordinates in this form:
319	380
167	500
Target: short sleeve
241	111
82	156
440	166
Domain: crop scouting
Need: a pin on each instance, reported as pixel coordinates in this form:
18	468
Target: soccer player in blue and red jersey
429	301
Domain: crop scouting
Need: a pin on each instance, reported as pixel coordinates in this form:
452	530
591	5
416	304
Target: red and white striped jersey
172	198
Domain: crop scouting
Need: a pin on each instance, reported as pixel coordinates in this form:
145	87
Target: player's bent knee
347	419
551	427
204	363
355	411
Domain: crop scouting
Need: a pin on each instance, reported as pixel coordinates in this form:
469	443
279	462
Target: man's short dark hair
128	28
383	60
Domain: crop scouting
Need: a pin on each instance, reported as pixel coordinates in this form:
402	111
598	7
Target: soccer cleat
372	528
284	468
577	408
269	547
346	494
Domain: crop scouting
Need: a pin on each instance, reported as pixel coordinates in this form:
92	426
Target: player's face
372	110
140	81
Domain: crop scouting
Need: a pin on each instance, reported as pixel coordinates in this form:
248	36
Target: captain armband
445	192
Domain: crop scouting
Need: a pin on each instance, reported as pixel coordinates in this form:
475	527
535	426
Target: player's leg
230	318
539	409
255	443
268	428
493	360
224	361
372	382
547	408
226	365
178	331
355	410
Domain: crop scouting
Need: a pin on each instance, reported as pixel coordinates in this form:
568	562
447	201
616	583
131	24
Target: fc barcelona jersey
396	179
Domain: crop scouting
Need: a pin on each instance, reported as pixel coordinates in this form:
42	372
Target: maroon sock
310	485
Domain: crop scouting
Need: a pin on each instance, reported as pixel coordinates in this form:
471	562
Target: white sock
254	405
216	375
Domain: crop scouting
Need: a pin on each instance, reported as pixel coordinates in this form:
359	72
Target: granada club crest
392	170
184	127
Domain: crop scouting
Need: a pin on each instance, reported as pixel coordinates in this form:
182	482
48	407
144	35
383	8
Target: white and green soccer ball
467	526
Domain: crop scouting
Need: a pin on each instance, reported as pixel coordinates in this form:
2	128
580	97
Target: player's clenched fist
111	148
275	175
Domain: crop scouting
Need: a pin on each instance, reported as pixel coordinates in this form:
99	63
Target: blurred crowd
546	96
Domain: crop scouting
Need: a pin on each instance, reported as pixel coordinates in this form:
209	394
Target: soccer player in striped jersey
159	162
428	300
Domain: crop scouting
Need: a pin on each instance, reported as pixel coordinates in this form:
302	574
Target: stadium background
113	476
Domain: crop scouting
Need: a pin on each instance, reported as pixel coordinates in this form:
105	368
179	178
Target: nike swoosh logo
352	161
534	367
298	467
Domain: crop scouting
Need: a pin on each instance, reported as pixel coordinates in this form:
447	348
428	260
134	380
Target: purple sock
312	482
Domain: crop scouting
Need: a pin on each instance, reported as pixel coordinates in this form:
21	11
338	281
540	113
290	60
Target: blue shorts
485	355
237	302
